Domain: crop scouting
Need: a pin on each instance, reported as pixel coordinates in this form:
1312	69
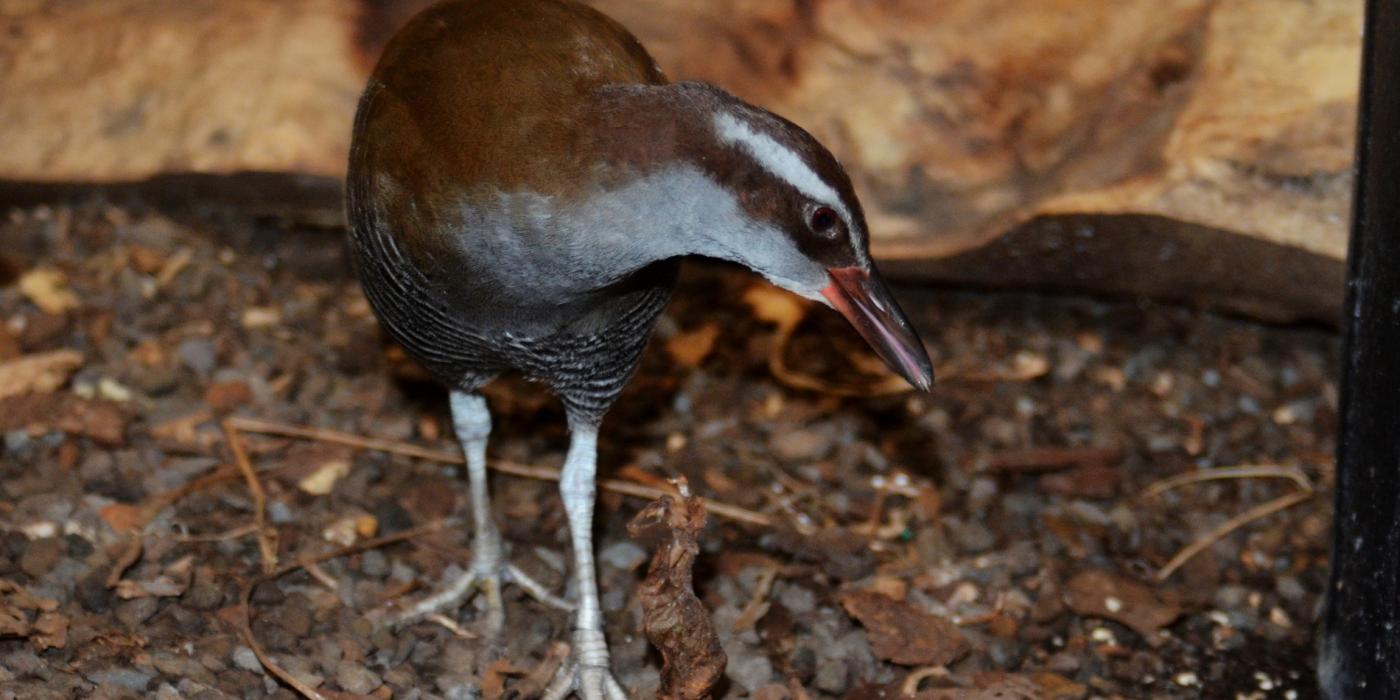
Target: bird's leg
586	672
489	569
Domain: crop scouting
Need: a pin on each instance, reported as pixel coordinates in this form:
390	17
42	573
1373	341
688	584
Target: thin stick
758	602
266	549
1248	472
1260	511
235	533
626	488
247	598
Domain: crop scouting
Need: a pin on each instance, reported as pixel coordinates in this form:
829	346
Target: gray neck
563	251
680	211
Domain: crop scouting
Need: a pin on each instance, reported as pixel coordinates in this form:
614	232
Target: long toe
585	673
586	682
487	580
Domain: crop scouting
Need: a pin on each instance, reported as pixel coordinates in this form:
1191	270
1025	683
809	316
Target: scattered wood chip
17	604
50	631
1098	593
103	421
998	685
183	431
48	289
1048	459
172	582
261	317
123	517
228	395
344	531
333	467
675	621
903	633
39	373
689	349
493	680
1092	481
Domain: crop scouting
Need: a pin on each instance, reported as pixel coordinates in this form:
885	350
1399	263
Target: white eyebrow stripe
781	162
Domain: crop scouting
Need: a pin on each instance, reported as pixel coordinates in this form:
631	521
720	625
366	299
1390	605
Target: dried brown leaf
903	633
672	617
1098	593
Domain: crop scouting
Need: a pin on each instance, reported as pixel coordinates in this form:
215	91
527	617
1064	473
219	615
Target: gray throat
672	212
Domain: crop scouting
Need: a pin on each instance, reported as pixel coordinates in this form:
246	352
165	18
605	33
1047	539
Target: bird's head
806	231
728	180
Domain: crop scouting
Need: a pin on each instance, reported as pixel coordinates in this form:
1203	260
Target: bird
523	184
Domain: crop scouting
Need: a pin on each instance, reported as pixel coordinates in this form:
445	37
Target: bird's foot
487	575
585	673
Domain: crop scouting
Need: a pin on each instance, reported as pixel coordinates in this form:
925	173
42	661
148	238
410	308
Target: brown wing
489	91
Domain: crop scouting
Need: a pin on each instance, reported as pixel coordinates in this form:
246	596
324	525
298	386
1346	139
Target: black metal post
1361	638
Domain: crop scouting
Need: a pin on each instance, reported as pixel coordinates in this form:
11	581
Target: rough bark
1188	137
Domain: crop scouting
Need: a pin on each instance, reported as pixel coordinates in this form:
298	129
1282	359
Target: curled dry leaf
1102	594
40	373
903	633
672	617
691	348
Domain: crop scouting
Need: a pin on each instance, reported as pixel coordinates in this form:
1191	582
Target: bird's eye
823	219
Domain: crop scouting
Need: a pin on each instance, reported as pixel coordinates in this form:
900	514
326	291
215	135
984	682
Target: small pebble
750	671
125	677
624	555
244	658
197	354
374	564
136	611
40	556
832	676
355	678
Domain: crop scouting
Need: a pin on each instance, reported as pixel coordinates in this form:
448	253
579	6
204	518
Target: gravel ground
996	538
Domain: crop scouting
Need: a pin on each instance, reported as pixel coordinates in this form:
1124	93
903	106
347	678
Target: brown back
478	93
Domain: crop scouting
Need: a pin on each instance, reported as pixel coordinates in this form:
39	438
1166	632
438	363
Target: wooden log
1196	150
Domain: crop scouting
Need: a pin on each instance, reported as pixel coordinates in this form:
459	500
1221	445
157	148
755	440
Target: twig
235	533
321	576
1260	511
450	625
1250	472
247	597
1305	491
910	687
758	605
266	549
626	488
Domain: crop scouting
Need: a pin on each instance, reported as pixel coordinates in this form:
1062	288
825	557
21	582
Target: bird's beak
861	296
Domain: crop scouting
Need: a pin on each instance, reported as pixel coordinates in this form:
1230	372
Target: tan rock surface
1163	147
